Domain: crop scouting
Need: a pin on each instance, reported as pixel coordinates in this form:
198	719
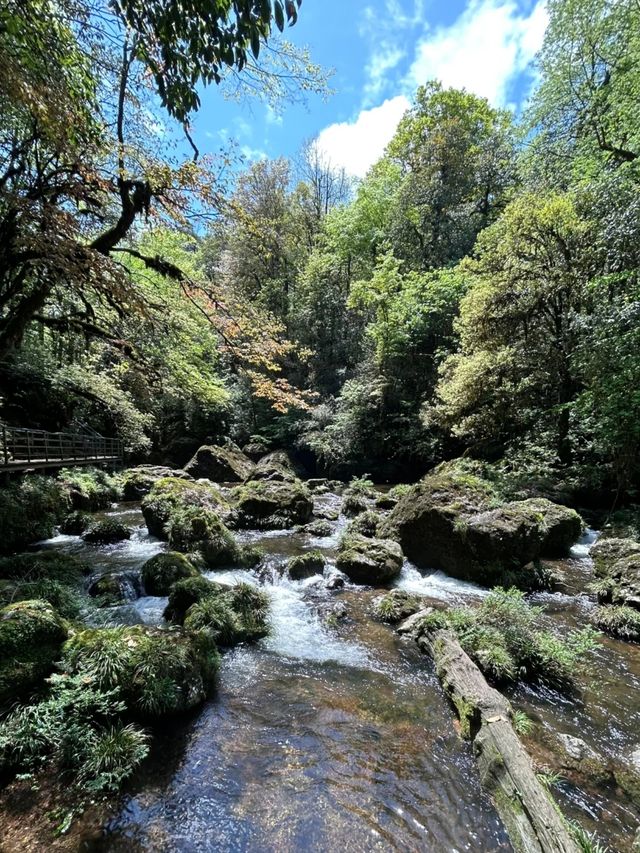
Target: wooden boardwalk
35	449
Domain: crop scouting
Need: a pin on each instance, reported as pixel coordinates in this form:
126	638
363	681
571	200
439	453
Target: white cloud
382	61
355	146
483	50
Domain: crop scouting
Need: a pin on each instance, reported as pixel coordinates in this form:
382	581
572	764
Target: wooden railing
35	448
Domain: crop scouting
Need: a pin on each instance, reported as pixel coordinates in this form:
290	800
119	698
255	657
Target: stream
333	732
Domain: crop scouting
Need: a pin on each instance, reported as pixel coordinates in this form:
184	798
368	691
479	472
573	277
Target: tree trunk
532	820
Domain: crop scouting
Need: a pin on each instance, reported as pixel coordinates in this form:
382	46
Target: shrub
396	606
198	528
505	637
76	523
186	592
29	511
78	728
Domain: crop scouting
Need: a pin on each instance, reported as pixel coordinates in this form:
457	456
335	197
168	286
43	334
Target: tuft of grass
619	621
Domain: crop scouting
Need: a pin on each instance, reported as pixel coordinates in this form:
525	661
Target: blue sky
381	51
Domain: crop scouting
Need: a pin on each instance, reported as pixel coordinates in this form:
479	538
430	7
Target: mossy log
532	820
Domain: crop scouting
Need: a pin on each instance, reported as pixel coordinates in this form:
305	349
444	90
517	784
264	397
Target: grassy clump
505	637
29	510
31	637
231	614
156	672
619	621
107	532
43	565
161	572
396	606
91	489
235	615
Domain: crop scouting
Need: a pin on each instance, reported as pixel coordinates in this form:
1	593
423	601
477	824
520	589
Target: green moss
273	505
233	616
353	504
108	590
365	524
161	572
170	495
107	532
31	637
43	565
198	528
305	565
29	511
318	528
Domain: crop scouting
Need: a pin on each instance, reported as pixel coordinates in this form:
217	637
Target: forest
435	367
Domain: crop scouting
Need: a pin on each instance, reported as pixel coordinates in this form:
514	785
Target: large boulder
456	523
306	565
273	505
276	467
138	482
221	464
369	561
617	567
107	532
170	495
31	638
161	572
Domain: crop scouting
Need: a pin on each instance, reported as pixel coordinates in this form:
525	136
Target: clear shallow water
335	733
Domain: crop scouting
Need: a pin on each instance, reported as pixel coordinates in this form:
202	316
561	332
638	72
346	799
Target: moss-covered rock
354	504
365	524
116	587
161	572
250	556
30	508
369	561
107	532
44	565
76	523
170	495
255	448
138	482
617	567
458	524
220	464
306	565
386	501
269	505
187	592
561	526
318	528
31	638
157	672
90	489
200	529
237	614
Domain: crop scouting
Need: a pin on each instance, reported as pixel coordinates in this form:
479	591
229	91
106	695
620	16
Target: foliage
506	638
29	510
91	488
619	621
78	729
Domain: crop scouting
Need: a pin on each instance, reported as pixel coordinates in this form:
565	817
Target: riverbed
333	732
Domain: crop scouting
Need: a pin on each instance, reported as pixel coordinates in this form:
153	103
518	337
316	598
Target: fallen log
532	820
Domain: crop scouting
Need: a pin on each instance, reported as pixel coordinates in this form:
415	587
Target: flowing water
333	732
